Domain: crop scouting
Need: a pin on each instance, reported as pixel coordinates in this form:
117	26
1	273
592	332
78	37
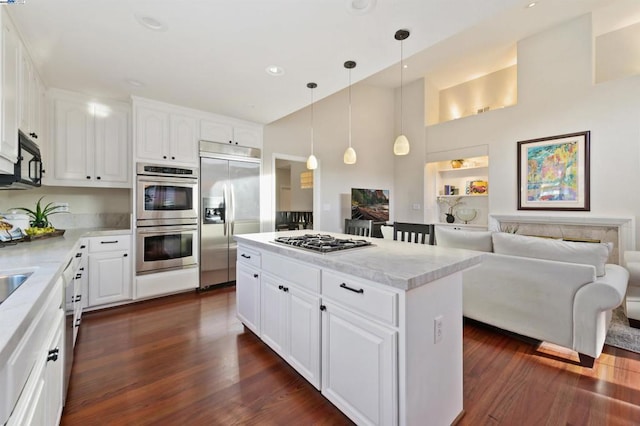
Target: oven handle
186	181
170	229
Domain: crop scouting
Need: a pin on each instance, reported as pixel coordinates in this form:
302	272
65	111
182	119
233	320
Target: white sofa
632	263
551	290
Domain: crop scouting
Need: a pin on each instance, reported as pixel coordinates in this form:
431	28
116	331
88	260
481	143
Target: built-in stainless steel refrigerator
230	205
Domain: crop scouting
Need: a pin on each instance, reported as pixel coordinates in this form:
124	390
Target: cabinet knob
286	289
98	178
173	158
78	322
255	275
323	308
164	156
280	287
88	177
125	255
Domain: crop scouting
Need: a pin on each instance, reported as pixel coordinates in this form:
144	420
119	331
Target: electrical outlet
62	207
437	329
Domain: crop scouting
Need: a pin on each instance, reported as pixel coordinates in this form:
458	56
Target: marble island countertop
46	259
398	264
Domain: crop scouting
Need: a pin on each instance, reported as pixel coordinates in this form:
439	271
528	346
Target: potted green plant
39	217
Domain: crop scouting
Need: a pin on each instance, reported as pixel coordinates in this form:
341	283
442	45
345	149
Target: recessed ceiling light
133	82
530	5
360	7
274	70
151	23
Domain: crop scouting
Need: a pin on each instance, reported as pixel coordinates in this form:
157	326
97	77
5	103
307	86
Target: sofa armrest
528	296
593	306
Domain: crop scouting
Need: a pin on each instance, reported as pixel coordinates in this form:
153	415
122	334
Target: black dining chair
362	228
419	233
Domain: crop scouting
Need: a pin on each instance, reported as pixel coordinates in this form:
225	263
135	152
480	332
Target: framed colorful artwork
553	173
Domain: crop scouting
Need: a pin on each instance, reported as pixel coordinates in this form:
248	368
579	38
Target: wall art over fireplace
553	173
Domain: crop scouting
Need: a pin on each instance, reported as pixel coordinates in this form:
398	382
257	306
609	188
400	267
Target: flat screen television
370	204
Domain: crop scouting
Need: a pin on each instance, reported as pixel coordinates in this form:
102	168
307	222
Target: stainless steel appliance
169	245
27	170
165	192
322	243
230	202
166	218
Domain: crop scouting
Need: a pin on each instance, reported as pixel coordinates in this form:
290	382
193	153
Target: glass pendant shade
401	145
312	162
350	156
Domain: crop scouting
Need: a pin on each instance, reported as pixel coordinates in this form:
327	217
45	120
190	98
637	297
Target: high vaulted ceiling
212	55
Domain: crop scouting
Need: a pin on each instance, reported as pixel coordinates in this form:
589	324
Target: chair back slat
419	233
362	228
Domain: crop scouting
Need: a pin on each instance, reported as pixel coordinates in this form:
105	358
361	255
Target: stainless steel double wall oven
166	218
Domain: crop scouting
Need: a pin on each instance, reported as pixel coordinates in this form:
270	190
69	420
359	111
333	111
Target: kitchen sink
8	283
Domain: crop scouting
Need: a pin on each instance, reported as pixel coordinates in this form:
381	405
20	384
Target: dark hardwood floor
187	360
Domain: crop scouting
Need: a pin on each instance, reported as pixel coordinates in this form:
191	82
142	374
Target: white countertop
46	259
395	263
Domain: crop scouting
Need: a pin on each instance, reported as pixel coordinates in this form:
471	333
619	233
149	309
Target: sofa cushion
470	240
595	254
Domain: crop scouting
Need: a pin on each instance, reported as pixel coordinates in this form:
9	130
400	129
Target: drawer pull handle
52	355
286	289
109	242
346	287
245	256
255	275
280	287
323	308
78	276
78	254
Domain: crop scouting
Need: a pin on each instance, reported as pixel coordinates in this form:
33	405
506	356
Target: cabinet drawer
111	243
248	257
303	275
378	303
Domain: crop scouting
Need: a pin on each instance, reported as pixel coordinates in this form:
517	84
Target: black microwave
27	172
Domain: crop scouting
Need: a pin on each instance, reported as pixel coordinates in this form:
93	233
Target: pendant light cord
312	121
401	88
349	107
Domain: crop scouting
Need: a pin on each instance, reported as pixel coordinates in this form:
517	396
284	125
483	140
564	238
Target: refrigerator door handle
233	210
224	201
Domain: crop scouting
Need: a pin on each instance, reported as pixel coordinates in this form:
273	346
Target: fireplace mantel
618	230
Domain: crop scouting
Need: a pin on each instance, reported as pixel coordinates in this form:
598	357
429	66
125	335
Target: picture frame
553	173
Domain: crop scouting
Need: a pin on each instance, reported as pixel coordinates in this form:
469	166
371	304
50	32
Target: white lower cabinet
35	369
248	296
109	269
290	323
359	366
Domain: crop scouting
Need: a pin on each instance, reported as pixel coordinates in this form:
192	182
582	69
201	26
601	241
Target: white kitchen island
377	329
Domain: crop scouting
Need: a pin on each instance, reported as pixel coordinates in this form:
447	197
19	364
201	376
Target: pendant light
312	161
401	145
350	153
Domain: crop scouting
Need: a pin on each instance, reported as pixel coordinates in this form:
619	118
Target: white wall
301	199
81	200
556	95
372	138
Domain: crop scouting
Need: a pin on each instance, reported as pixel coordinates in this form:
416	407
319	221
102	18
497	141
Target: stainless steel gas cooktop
322	243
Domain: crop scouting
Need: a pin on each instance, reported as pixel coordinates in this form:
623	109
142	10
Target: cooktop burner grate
322	243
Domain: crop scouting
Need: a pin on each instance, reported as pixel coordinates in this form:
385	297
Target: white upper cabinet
232	133
165	136
90	144
31	93
10	63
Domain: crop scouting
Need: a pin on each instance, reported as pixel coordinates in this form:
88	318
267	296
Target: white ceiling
214	53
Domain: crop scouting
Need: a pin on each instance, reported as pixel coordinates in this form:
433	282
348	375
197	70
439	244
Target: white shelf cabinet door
216	132
10	65
25	75
152	134
54	373
247	136
304	334
73	141
112	147
109	277
359	367
248	297
274	314
184	143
